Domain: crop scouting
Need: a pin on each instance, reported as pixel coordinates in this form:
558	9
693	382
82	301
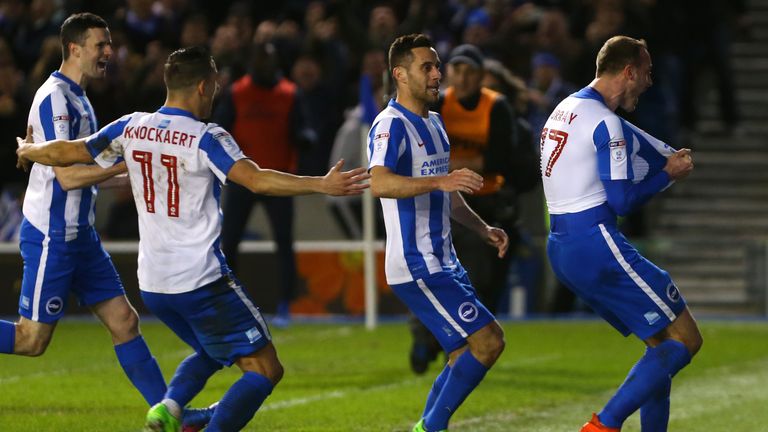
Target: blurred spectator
141	23
14	102
48	60
500	79
43	21
322	45
321	113
195	31
240	18
264	112
351	138
148	81
382	26
483	133
325	93
11	15
553	35
231	42
477	28
545	91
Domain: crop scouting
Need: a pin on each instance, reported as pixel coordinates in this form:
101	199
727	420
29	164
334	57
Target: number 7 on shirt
560	138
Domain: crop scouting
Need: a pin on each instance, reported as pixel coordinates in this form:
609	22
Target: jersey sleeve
55	117
107	146
614	148
220	151
386	143
651	156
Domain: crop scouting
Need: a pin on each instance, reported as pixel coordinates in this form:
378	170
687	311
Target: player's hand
497	238
338	182
679	164
23	163
461	180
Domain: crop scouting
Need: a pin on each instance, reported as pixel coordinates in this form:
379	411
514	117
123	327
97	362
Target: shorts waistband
571	223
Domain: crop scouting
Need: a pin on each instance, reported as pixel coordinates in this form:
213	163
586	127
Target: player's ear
398	73
629	72
74	49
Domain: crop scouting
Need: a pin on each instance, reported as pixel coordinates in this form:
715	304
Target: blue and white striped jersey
176	165
418	228
60	110
583	142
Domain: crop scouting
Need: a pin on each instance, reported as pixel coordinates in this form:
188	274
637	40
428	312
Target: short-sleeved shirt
60	110
418	228
176	166
583	143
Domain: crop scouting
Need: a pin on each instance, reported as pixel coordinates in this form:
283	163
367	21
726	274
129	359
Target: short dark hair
400	51
186	67
618	52
74	29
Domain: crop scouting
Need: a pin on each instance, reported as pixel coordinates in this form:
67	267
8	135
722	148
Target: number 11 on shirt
171	164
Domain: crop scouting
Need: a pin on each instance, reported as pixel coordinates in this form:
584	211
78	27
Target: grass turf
344	378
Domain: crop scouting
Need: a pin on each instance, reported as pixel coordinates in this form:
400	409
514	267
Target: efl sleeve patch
379	141
384	143
618	150
61	125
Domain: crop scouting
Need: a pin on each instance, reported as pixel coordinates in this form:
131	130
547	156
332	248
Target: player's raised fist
680	164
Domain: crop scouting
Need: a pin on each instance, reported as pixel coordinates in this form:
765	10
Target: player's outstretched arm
55	152
270	182
386	184
463	214
76	177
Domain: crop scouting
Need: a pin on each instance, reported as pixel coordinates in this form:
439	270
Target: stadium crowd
321	44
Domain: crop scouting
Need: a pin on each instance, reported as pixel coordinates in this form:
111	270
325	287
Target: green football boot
159	419
419	427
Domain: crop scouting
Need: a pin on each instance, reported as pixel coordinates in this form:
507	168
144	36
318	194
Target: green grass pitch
344	378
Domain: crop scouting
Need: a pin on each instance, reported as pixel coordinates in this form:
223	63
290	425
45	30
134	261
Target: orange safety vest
468	132
261	125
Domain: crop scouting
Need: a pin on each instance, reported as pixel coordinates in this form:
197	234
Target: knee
124	325
30	343
692	340
273	372
271	368
496	346
276	373
694	343
488	350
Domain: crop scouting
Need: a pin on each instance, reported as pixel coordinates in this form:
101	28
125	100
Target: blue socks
654	414
190	378
648	378
7	337
142	369
437	386
463	377
240	403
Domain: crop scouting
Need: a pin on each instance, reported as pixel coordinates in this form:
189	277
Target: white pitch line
717	389
336	394
93	367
